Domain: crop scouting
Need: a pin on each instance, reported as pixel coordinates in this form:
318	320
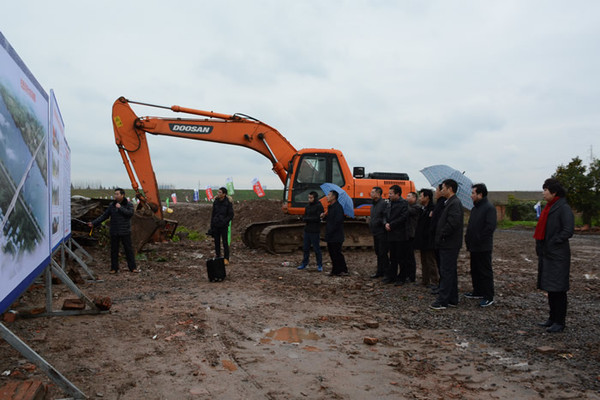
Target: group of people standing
401	226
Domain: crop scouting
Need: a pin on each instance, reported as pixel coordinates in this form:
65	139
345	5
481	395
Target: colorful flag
196	195
257	187
229	186
209	193
174	198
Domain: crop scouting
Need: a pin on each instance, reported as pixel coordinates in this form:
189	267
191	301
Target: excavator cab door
310	172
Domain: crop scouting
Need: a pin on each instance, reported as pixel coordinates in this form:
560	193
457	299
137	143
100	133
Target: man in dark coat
410	274
554	228
378	230
440	200
222	214
120	212
480	242
334	234
424	239
397	235
448	240
312	230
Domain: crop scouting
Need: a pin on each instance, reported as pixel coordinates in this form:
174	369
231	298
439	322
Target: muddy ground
273	332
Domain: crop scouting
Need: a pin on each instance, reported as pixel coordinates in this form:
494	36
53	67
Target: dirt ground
272	332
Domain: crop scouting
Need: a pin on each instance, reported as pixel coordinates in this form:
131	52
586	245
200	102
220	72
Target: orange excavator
301	172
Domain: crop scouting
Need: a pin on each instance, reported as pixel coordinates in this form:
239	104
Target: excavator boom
130	137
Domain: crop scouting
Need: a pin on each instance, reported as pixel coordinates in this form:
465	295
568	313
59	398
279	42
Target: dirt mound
196	216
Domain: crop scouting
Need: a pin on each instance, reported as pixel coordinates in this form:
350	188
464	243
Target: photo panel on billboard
65	171
24	170
57	178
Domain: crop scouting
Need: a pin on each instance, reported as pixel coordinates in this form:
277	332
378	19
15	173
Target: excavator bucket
149	228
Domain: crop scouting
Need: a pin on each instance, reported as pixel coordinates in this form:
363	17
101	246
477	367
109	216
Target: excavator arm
238	129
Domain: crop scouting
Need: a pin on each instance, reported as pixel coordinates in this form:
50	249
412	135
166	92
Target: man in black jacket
411	225
480	241
397	234
378	231
222	214
334	234
312	218
424	239
448	240
120	212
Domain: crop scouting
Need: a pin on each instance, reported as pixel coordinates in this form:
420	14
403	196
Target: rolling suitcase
215	268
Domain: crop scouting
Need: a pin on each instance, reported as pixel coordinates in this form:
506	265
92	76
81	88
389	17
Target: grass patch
507	224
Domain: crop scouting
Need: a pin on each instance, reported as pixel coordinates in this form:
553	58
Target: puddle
292	335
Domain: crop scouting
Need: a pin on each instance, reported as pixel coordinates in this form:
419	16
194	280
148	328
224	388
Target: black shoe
399	283
486	303
545	324
470	295
387	280
555	328
375	276
437	306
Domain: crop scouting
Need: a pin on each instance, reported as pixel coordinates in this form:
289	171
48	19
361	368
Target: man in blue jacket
334	234
480	241
120	212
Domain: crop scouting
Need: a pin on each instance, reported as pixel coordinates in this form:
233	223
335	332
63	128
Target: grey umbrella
436	174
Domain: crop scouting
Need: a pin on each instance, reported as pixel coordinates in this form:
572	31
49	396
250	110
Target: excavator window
336	173
314	170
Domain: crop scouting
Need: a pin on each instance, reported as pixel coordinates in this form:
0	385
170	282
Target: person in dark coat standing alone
480	242
334	234
312	230
120	212
378	231
222	215
448	239
554	228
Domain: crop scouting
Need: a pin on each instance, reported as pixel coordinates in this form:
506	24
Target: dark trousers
398	258
482	274
221	234
410	271
338	262
312	239
448	292
558	307
115	241
381	251
429	270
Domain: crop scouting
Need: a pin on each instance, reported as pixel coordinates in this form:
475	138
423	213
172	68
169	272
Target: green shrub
520	210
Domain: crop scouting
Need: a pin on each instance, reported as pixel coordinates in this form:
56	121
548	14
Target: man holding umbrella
448	239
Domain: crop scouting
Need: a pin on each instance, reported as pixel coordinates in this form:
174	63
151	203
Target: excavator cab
309	172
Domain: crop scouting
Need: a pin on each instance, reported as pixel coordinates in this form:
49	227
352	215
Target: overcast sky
503	90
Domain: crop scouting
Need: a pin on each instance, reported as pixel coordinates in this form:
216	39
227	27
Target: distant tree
583	187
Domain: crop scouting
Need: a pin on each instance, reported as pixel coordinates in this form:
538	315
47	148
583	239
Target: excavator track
277	237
